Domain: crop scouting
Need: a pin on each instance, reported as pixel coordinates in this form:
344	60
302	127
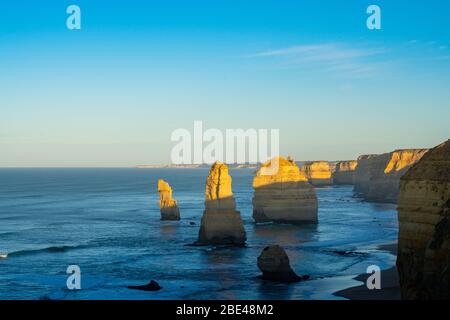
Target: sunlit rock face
377	177
274	264
319	173
221	223
423	259
284	195
344	172
168	206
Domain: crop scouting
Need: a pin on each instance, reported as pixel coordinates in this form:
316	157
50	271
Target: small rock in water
151	286
274	264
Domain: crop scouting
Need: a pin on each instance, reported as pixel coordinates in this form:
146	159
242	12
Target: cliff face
423	259
377	177
285	196
167	205
344	172
319	173
221	223
363	171
385	184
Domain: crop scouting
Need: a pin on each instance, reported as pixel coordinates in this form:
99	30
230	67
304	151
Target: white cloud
341	59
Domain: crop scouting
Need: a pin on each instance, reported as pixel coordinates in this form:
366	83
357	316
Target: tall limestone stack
319	173
377	177
167	205
344	172
221	224
284	195
423	259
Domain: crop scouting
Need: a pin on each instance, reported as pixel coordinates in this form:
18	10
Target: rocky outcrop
151	286
283	195
168	206
377	177
423	259
344	172
274	264
319	173
221	223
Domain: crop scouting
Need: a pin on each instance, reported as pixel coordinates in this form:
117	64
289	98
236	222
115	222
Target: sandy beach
390	289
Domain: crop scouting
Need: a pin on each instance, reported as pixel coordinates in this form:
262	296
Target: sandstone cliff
377	177
167	205
284	196
221	224
423	259
362	174
344	172
319	173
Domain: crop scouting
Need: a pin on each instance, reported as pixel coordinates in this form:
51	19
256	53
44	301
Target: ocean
107	221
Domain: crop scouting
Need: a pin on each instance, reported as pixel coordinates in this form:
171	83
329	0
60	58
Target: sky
111	93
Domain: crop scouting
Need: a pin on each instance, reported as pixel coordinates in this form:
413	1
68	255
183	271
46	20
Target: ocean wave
52	249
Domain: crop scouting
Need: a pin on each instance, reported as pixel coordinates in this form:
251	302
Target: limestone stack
168	206
423	259
221	223
284	195
274	264
344	172
319	173
377	177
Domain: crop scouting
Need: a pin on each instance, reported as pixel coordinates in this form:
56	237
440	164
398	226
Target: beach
390	289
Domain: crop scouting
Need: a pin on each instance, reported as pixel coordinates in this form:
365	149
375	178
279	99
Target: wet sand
390	289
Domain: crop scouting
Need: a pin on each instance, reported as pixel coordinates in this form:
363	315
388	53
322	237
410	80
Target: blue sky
111	93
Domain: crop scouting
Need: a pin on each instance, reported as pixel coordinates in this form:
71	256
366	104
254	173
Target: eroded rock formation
167	205
377	177
363	172
344	172
274	264
423	259
319	173
221	223
284	195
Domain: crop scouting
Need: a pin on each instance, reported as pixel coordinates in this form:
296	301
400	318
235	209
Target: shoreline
390	288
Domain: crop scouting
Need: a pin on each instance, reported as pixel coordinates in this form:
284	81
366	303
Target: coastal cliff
319	173
363	173
285	195
377	177
344	172
168	206
221	223
423	259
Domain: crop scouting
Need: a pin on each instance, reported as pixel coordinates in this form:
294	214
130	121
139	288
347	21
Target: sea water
107	221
